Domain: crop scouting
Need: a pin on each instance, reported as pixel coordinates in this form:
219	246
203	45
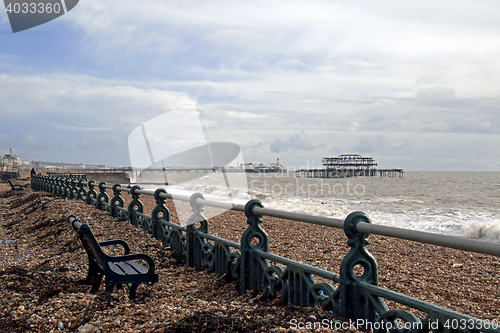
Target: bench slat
137	266
129	267
116	269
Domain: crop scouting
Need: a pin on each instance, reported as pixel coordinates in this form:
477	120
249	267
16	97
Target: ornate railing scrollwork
102	197
357	266
196	251
81	193
135	206
160	213
91	193
117	203
254	238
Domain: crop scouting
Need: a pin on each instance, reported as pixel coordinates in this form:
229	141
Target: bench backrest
91	245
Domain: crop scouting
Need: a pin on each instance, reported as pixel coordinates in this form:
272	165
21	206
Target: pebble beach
41	273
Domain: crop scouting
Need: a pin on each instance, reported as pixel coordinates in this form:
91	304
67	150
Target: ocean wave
439	212
483	230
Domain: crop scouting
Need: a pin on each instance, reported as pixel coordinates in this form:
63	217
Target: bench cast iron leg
97	282
93	271
133	289
109	286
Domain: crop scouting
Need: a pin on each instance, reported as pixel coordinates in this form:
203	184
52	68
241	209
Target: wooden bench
15	187
117	270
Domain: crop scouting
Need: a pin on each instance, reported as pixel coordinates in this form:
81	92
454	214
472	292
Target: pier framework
348	165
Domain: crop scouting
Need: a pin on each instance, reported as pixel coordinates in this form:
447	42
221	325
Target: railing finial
250	205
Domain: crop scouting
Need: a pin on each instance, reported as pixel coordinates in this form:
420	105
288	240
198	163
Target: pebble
87	328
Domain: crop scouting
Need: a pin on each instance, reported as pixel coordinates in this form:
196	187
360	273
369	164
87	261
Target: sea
452	203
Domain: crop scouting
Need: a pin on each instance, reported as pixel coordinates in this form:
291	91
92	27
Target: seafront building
10	162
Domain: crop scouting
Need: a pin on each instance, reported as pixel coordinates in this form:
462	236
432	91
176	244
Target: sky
413	84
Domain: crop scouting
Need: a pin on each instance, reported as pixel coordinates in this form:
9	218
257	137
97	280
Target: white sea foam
461	204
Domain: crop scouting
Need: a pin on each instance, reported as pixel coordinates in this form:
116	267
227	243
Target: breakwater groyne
353	293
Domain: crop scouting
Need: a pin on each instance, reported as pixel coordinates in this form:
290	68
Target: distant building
11	162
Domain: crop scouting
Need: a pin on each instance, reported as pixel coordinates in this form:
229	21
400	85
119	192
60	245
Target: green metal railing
356	297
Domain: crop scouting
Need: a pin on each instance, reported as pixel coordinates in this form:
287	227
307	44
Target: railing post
58	186
357	266
117	201
47	184
74	189
91	193
65	187
54	184
135	206
69	187
102	196
171	237
47	187
42	183
193	247
52	187
254	238
81	194
160	212
62	187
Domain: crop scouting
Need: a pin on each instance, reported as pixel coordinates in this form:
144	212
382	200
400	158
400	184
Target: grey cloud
296	142
100	142
370	144
436	93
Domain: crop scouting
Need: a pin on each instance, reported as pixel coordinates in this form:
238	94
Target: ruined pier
348	165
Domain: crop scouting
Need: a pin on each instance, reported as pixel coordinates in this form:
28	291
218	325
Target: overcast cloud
416	85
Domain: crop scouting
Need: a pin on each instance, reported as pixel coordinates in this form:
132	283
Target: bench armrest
15	186
137	256
117	242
